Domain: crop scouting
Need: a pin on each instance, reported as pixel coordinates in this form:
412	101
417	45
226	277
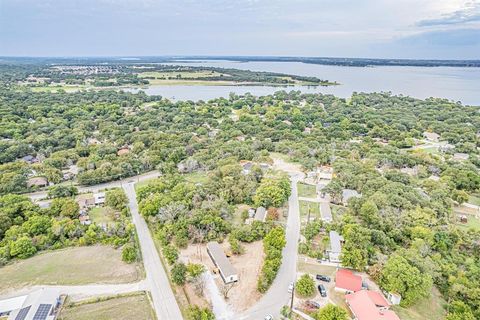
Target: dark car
323	278
322	290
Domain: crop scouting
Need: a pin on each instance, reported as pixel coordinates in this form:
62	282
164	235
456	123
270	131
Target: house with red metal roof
347	281
370	305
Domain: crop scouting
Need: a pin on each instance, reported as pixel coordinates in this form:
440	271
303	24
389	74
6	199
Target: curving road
278	296
164	302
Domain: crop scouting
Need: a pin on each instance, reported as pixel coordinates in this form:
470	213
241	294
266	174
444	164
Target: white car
268	317
290	287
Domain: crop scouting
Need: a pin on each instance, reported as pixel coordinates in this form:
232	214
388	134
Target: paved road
81	292
278	296
164	302
35	196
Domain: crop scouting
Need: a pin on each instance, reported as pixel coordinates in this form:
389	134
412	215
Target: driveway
164	302
278	296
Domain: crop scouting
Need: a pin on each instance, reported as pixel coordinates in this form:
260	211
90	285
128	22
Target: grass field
430	308
473	223
474	199
197	177
72	266
120	308
103	215
314	208
306	190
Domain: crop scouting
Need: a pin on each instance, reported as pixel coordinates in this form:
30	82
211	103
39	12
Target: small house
431	136
84	203
394	298
335	249
246	166
326	212
38	182
99	198
220	260
460	156
123	151
30	159
260	214
347	194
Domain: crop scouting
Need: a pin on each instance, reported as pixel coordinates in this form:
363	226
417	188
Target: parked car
268	317
290	287
312	304
322	290
364	285
323	278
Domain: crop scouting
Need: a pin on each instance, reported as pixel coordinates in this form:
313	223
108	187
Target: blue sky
443	29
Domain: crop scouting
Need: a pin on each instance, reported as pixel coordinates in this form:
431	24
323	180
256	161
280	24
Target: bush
197	313
273	244
116	199
129	253
331	312
170	253
179	274
305	286
235	245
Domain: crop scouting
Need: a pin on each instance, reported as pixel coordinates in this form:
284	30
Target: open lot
305	207
306	190
102	215
72	266
430	308
120	308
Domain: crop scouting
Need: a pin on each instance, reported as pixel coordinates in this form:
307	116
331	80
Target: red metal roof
347	280
363	305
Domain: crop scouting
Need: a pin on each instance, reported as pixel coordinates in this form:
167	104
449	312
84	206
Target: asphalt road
278	296
164	302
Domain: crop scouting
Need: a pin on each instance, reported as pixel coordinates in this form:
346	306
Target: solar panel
42	312
22	313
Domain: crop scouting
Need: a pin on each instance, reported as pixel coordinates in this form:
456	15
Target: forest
403	230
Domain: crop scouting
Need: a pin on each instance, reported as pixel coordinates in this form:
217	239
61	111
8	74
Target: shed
431	136
260	214
227	271
326	212
99	198
347	194
335	249
37	182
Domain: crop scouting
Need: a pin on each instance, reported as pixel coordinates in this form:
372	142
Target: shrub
129	253
305	286
170	253
179	274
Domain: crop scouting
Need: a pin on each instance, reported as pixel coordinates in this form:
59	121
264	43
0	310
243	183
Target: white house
42	304
99	198
335	249
227	271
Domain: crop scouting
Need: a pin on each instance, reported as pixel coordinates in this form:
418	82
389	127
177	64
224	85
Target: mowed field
72	266
122	308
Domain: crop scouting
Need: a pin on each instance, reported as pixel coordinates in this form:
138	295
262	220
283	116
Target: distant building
99	198
394	298
326	212
434	178
227	271
460	156
123	151
86	202
335	249
260	214
347	194
42	304
369	305
37	182
30	159
347	281
85	220
431	136
246	166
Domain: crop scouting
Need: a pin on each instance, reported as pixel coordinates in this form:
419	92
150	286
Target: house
347	281
123	151
326	212
30	159
42	304
99	198
460	156
260	214
410	171
246	166
434	178
84	203
431	136
369	305
37	182
347	194
325	173
85	220
227	271
335	249
93	141
70	173
446	147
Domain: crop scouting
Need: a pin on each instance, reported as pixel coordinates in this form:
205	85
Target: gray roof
325	211
349	193
335	241
38	305
260	214
220	259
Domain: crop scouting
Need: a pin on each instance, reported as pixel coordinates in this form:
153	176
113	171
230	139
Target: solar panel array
22	313
42	312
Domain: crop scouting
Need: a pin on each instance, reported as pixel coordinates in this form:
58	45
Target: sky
417	29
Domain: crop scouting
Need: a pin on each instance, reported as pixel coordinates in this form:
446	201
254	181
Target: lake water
458	84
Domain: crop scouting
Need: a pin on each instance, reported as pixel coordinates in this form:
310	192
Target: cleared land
121	308
102	215
72	266
430	308
305	207
306	190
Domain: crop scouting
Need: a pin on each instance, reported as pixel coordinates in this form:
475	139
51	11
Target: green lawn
102	215
72	266
119	308
474	199
429	308
305	206
197	177
473	223
306	190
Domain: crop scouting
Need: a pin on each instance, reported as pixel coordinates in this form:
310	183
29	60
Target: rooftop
347	280
370	305
220	259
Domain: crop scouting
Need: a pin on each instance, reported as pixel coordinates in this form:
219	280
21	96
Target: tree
116	199
66	207
331	312
62	191
170	253
460	196
129	253
271	193
458	310
195	270
22	248
401	277
179	273
305	286
235	245
197	313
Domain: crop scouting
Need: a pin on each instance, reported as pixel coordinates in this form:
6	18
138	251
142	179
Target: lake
458	84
